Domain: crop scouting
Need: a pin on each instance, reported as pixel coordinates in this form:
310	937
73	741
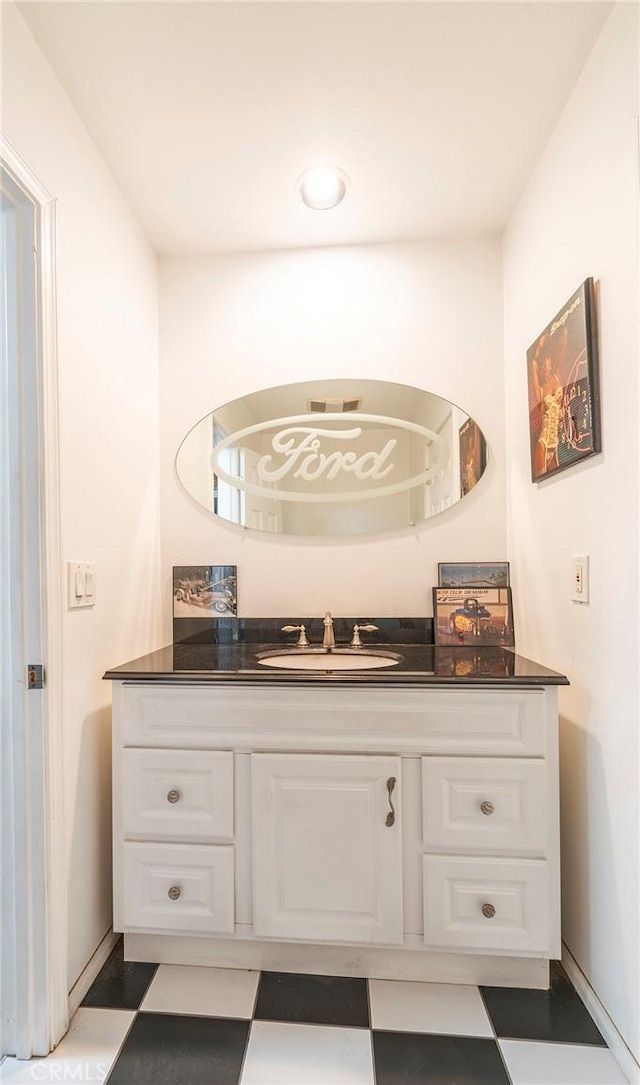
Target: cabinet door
327	847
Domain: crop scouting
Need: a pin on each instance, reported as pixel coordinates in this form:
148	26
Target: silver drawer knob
174	893
487	808
488	911
173	796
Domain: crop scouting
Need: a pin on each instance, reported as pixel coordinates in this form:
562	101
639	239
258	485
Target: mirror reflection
332	457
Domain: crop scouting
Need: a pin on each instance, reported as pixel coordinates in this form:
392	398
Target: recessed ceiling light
322	187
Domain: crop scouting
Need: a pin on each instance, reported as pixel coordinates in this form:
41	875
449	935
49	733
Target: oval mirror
332	457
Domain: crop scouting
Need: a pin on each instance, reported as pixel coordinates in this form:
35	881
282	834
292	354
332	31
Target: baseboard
90	971
616	1044
372	962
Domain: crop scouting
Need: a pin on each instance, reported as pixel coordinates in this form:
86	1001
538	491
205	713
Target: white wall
579	218
424	315
107	337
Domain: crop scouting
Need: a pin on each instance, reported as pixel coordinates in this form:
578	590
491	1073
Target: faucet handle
302	630
357	629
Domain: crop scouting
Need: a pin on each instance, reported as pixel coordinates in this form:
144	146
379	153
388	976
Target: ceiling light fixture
322	187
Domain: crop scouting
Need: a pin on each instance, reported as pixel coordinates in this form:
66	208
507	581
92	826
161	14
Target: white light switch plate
580	579
81	584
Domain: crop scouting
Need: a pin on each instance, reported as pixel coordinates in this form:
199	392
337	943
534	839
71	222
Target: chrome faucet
329	640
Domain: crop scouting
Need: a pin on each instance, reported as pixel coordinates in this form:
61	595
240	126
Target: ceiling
206	113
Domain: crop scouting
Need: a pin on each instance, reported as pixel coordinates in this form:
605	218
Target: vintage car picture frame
470	616
205	591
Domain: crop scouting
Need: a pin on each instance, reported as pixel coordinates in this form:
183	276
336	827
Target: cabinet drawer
486	904
180	887
177	795
484	804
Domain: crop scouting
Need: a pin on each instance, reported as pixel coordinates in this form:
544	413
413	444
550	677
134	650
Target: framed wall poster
205	591
473	616
564	400
469	574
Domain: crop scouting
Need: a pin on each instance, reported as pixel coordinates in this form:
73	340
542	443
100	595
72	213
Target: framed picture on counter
473	574
473	616
205	591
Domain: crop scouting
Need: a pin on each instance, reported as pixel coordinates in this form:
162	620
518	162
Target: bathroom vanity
401	822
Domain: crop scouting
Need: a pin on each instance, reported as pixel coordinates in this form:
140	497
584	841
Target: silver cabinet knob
174	893
488	911
487	808
173	795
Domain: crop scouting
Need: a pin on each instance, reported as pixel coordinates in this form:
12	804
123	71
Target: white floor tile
281	1054
205	992
532	1063
84	1056
444	1008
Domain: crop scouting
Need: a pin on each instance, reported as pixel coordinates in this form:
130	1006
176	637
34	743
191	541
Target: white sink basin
339	659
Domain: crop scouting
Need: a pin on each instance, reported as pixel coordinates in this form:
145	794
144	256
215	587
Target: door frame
33	889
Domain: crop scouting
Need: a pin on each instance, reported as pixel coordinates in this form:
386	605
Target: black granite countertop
421	665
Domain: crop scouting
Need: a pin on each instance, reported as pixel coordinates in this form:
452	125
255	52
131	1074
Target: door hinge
35	676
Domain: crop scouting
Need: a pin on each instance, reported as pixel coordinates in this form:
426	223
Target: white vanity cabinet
407	831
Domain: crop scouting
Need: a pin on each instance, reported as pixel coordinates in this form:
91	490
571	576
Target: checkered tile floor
144	1024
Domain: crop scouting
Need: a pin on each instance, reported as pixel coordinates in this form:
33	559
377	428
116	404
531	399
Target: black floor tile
410	1058
166	1049
313	1000
120	984
555	1015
